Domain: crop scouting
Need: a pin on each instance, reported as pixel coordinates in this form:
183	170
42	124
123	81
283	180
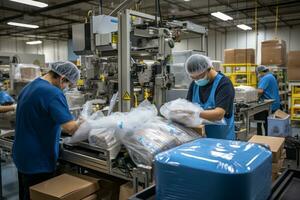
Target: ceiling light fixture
32	3
22	25
186	0
244	27
34	42
221	16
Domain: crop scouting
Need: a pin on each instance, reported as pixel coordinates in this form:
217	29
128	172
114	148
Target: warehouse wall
242	39
216	44
52	49
218	41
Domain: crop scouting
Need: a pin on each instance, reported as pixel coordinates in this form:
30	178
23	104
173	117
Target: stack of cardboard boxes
276	146
273	52
293	66
239	56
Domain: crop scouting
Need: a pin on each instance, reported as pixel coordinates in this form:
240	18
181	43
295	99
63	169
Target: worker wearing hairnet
267	89
41	113
214	92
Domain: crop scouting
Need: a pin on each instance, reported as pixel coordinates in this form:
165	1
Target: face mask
202	82
66	89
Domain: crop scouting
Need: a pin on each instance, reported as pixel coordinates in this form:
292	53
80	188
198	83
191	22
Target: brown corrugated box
127	190
274	143
273	52
293	66
91	197
64	187
233	56
200	130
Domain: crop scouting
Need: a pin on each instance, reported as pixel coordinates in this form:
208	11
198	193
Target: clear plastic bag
103	138
83	131
27	72
186	113
181	133
143	144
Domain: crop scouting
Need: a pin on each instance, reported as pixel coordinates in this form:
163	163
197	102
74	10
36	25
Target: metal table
255	108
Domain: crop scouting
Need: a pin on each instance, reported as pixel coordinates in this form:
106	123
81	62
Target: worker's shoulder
45	88
225	80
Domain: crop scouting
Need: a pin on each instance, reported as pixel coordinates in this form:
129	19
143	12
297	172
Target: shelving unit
241	73
294	87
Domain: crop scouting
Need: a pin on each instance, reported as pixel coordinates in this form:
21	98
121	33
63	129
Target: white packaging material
143	144
181	133
245	94
27	72
104	138
186	113
80	135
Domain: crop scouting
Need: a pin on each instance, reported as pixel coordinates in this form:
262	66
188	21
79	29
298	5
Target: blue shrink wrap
214	169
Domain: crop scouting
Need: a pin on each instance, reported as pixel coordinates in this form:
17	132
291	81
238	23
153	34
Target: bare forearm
213	115
4	109
70	127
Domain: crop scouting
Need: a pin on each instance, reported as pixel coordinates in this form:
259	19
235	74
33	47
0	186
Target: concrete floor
10	175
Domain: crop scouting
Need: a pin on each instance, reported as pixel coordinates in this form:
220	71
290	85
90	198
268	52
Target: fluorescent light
221	16
244	27
34	42
186	0
22	25
32	3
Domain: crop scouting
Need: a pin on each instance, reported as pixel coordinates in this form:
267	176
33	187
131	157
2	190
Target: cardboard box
91	197
64	187
274	143
273	52
293	74
276	167
200	130
293	66
293	59
126	191
233	56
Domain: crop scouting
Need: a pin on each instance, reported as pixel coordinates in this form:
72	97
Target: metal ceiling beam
50	8
274	13
35	31
34	14
291	3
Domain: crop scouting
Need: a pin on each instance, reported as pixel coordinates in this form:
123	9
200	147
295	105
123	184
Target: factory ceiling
55	20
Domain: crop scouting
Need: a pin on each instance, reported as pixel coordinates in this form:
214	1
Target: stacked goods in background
239	66
293	66
276	146
273	52
239	56
274	56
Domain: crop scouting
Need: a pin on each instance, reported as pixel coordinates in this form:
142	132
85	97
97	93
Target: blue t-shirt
269	84
42	109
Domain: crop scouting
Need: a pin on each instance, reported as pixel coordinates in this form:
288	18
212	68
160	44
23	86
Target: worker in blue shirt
267	89
214	92
42	113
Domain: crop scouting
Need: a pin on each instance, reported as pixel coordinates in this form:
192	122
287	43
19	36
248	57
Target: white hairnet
261	68
197	64
66	69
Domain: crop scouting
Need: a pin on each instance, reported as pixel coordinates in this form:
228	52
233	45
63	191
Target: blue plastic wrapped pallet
214	169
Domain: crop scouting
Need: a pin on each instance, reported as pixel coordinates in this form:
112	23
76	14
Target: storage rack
281	74
294	87
241	73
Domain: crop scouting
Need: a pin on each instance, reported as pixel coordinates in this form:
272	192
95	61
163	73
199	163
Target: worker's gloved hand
185	117
80	121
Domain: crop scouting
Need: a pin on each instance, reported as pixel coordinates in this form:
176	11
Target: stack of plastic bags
245	94
186	113
141	131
